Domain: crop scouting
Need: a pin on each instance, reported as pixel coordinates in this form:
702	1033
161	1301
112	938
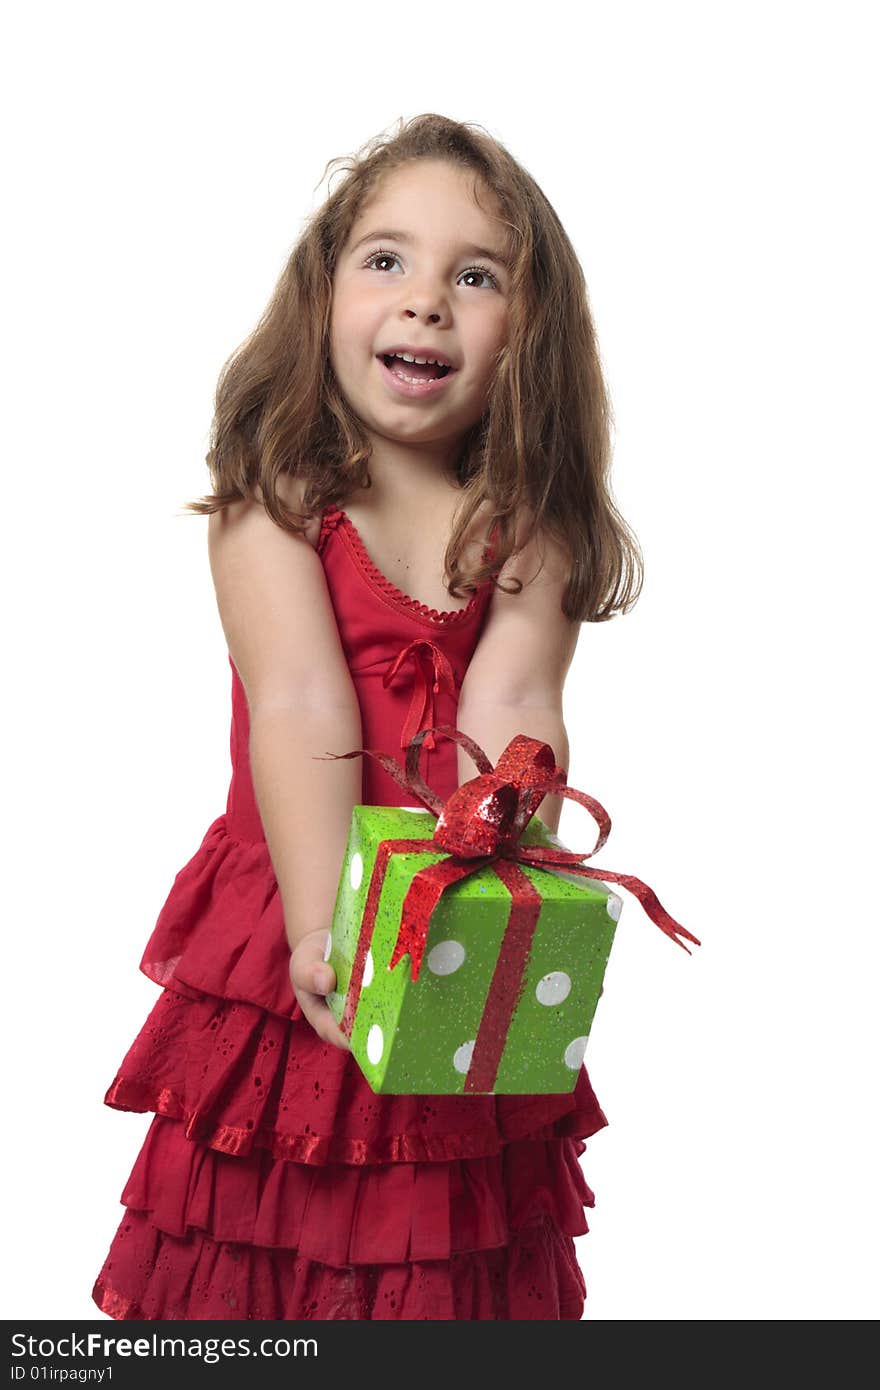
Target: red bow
429	682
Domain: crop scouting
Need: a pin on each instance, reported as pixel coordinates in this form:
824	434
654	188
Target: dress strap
330	519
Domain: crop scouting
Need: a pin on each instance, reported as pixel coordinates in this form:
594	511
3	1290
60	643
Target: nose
426	306
427	300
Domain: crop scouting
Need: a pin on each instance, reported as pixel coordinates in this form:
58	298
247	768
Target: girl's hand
312	978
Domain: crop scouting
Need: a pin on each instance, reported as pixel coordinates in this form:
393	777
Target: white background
713	165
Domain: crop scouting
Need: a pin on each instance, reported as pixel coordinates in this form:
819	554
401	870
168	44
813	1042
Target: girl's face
410	275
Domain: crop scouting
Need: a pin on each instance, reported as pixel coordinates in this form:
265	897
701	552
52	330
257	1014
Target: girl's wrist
295	939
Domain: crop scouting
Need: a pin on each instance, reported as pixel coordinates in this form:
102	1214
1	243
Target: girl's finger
314	975
318	1014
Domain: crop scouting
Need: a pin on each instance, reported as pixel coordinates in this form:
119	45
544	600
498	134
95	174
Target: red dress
272	1182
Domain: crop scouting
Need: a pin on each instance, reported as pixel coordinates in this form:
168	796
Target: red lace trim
334	516
114	1304
321	1149
117	1306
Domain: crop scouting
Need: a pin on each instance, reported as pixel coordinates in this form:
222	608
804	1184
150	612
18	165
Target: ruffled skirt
274	1184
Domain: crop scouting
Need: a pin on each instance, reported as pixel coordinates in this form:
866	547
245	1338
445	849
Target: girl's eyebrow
408	239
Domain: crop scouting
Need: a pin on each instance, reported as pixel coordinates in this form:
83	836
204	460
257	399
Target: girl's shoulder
291	491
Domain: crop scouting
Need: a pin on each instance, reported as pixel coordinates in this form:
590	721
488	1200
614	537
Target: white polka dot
446	957
375	1044
613	906
328	947
553	988
422	810
368	971
333	997
574	1053
356	870
462	1059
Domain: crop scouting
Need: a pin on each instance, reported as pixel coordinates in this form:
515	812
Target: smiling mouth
430	371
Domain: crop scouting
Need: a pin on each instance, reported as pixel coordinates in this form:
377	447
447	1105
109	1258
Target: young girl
410	520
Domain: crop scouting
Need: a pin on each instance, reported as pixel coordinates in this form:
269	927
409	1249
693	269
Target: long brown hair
541	450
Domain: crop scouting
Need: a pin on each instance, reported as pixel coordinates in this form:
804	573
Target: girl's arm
282	636
515	679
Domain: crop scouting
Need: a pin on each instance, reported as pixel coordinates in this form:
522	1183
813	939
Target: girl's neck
404	478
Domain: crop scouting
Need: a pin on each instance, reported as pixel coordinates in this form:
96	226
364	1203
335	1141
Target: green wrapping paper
417	1037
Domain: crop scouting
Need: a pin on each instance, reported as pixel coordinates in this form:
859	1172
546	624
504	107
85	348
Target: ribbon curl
482	821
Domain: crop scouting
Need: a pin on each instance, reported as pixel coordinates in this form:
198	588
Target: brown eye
380	255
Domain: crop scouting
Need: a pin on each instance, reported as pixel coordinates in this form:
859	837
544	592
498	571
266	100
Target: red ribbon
479	826
433	674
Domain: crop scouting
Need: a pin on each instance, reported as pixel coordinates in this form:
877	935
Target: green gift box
469	946
419	1037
